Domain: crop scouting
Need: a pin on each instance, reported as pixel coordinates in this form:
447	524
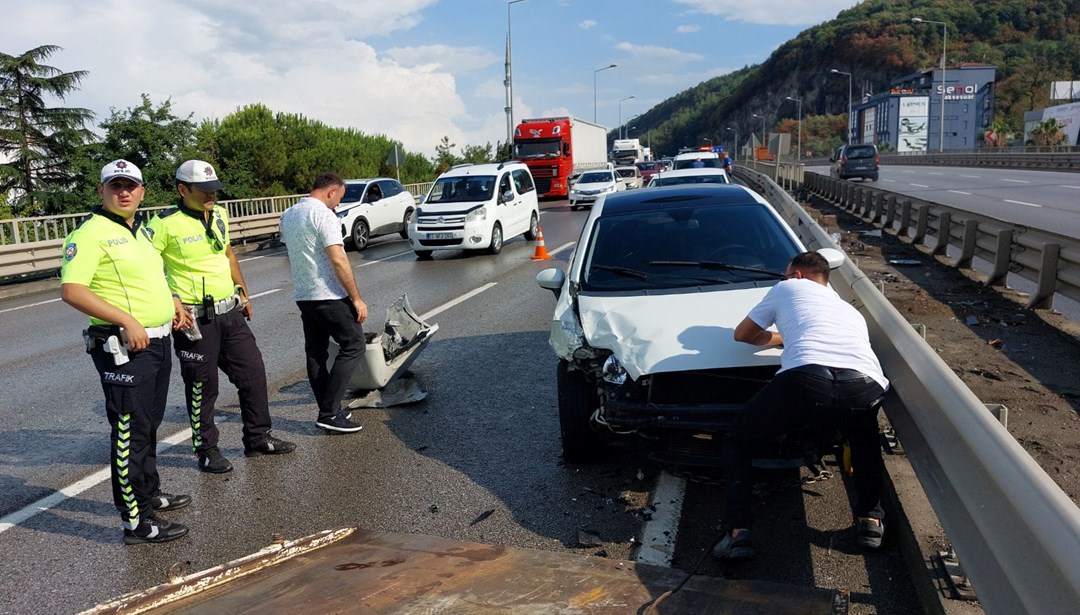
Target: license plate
440	235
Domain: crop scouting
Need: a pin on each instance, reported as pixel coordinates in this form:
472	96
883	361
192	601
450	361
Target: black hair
327	180
811	263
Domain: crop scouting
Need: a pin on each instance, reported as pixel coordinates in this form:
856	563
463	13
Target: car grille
432	243
728	386
440	223
538	172
543	185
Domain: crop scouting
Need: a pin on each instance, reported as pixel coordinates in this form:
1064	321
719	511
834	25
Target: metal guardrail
32	245
1016	532
1053	159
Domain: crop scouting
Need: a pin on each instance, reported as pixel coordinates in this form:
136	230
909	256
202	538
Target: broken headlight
613	372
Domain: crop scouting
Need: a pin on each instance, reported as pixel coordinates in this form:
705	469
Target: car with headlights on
646	310
590	185
630	176
373	207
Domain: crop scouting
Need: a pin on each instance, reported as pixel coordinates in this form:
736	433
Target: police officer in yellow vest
203	272
112	272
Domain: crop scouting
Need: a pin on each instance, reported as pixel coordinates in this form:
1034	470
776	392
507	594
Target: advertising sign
1068	116
913	133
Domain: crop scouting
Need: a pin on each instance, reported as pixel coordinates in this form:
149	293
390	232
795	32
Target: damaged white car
644	323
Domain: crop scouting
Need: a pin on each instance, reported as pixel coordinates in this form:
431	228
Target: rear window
689	163
860	151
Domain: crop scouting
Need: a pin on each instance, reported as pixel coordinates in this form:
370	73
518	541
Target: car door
508	209
397	201
523	185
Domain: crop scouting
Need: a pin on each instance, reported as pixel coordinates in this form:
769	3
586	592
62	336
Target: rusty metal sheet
363	572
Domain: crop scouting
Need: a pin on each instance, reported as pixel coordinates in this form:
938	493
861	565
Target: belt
102	332
831	373
157	332
224	306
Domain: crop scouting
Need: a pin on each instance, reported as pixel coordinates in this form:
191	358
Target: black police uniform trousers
228	344
135	397
332	318
807	397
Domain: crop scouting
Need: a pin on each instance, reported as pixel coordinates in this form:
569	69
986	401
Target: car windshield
353	193
595	177
689	163
536	149
462	189
860	151
717	178
684	246
625	172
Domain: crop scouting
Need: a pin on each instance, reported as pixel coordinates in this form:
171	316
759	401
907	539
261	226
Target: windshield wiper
641	275
625	271
717	265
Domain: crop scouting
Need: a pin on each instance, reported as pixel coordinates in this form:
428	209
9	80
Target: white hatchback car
707	175
645	313
592	184
476	207
373	207
630	176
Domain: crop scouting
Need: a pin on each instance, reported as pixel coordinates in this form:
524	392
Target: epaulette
83	221
168	212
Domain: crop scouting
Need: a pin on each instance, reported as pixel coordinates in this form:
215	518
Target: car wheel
534	227
874	178
580	443
423	255
496	239
360	235
404	232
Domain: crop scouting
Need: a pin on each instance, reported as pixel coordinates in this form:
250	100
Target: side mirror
552	279
422	199
507	196
834	256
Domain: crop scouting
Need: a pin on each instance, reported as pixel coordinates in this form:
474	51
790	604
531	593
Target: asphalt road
478	460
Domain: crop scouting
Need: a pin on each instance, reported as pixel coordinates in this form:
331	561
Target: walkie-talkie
208	304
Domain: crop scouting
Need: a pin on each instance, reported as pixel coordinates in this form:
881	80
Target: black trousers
135	396
229	345
324	320
798	399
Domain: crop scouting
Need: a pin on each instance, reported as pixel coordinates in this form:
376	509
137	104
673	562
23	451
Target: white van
698	160
476	207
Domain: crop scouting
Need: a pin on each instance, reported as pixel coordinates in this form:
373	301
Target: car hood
429	208
593	185
674	332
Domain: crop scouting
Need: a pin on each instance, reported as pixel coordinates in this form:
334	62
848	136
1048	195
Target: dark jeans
324	320
798	399
229	345
135	396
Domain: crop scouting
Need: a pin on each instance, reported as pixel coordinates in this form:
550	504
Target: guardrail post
921	224
1002	256
905	217
967	250
890	211
943	235
1044	294
879	207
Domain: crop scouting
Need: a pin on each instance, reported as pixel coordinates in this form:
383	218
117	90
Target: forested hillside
1031	43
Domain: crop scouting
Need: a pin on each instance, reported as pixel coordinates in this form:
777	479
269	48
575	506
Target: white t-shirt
307	228
818	327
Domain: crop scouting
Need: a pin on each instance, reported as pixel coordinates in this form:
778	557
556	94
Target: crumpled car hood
674	332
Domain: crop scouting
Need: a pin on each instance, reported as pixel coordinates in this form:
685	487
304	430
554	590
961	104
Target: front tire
576	404
361	235
496	245
404	232
534	227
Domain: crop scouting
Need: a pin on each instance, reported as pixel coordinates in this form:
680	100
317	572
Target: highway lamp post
944	41
799	146
620	113
762	118
509	83
735	149
850	120
594	89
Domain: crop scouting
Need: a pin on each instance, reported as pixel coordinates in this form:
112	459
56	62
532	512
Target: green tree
477	154
37	142
1047	133
444	155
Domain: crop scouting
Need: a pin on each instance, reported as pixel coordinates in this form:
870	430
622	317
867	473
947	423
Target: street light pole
734	150
799	102
620	114
762	133
944	40
509	82
594	89
850	119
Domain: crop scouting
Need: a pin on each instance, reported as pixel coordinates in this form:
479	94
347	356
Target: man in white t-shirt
829	377
325	291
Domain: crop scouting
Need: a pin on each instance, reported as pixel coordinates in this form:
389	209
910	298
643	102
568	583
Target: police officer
203	273
112	273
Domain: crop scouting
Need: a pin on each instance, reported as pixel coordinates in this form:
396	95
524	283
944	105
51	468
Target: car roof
490	168
699	154
691	172
633	201
367	180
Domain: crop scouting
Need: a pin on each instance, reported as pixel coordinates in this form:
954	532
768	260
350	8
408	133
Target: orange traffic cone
541	250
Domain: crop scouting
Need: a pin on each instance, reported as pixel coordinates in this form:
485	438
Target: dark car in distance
860	160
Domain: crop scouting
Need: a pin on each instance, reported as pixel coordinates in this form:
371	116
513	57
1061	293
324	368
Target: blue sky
415	70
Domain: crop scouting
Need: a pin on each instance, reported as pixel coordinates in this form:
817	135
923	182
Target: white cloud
771	12
454	59
687	29
588	23
659	55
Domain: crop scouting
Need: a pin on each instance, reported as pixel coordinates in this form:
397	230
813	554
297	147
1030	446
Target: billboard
913	133
1064	90
1068	116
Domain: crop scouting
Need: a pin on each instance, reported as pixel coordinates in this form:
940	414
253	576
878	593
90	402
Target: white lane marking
1016	181
970	176
935	173
1073	187
264	293
561	248
1023	203
449	304
253	258
891	181
659	534
960	192
23	307
13	519
366	263
919	185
